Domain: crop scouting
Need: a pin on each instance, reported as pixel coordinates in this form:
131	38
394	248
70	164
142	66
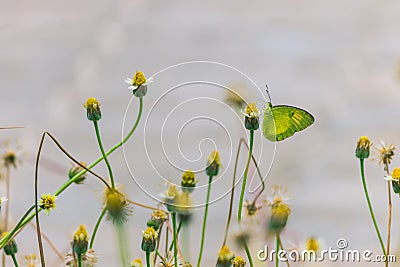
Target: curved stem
246	248
245	176
203	231
370	206
175	238
233	186
96	227
103	153
62	188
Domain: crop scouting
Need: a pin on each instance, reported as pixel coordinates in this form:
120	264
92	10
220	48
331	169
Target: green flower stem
277	251
370	206
79	260
123	244
177	233
245	177
147	259
14	260
62	188
103	153
203	232
175	238
246	248
97	227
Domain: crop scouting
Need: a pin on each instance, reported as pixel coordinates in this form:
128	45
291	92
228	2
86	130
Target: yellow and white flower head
138	84
395	179
280	210
137	263
31	260
279	194
47	202
251	117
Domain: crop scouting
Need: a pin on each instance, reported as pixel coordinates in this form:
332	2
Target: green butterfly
281	122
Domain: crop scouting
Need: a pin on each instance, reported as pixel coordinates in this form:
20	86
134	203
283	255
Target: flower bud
149	240
188	182
251	120
396	180
225	257
74	170
213	164
93	109
363	147
238	262
11	247
280	212
80	242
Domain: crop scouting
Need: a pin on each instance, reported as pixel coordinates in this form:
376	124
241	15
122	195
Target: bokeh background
337	59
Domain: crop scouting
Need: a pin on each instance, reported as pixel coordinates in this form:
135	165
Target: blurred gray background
337	59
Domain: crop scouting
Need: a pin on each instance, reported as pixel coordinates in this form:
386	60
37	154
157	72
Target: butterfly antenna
267	90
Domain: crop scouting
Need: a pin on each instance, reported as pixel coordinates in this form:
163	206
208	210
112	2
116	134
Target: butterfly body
282	121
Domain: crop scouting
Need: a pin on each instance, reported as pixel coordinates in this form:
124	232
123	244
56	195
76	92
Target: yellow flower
396	174
280	210
11	247
81	233
149	240
214	158
188	181
137	263
116	205
313	244
252	111
31	260
47	202
225	255
80	242
93	109
150	234
363	147
159	215
238	262
138	79
138	84
213	164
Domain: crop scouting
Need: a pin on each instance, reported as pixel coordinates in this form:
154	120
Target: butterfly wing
281	122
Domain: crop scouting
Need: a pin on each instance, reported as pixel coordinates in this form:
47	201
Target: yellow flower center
225	253
47	202
364	142
238	262
81	233
150	234
137	262
92	104
214	158
312	244
396	174
138	79
252	110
